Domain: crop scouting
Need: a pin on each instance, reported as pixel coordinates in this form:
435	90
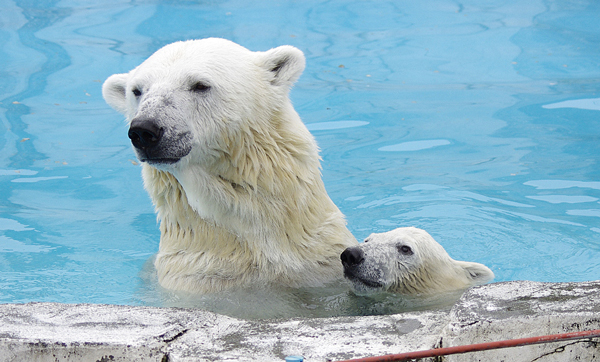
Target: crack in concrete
563	347
167	341
171	339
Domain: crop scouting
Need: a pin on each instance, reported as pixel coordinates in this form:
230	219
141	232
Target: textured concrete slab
315	339
63	332
526	309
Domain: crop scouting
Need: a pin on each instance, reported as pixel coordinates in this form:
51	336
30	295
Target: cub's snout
351	257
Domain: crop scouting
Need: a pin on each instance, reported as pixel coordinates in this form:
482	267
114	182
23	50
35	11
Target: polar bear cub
408	261
231	169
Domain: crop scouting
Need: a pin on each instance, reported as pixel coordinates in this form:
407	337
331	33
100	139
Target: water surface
477	121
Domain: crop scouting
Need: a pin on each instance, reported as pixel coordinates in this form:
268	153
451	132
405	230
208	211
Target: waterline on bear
269	302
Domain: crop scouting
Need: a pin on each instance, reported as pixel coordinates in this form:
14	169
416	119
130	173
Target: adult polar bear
231	169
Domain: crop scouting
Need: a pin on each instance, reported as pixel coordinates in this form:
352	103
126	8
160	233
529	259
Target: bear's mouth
370	283
357	279
159	161
161	156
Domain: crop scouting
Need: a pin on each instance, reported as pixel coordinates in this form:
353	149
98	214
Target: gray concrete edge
86	332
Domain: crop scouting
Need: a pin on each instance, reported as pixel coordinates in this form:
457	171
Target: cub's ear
477	273
284	64
113	91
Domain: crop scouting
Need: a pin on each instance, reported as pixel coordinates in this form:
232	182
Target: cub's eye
366	240
405	249
200	87
136	92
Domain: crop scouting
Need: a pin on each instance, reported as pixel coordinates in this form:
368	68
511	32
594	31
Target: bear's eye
136	92
200	87
366	240
405	249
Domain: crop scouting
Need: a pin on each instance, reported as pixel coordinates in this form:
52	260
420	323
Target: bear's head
408	261
190	100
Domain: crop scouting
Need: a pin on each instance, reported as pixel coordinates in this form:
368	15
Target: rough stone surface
526	309
315	339
63	332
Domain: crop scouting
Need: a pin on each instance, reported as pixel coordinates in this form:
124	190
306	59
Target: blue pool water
476	120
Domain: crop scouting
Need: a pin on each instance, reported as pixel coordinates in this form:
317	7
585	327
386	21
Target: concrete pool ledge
85	332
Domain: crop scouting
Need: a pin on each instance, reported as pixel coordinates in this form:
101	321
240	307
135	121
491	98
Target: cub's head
408	261
190	98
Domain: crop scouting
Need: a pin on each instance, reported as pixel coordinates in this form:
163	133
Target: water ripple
589	103
562	184
322	126
564	199
414	146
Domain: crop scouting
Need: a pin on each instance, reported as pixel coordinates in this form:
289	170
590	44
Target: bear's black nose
352	256
144	133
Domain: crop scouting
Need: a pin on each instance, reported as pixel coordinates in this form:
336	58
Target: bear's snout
352	256
144	134
158	145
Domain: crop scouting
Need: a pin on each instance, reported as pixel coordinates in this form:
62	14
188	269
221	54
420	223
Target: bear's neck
192	251
286	248
182	229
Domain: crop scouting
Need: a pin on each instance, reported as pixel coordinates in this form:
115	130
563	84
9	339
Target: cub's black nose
352	256
144	133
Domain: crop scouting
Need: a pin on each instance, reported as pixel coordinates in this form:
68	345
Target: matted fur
246	206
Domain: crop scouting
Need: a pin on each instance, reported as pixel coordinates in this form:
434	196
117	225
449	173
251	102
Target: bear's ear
478	273
113	91
284	63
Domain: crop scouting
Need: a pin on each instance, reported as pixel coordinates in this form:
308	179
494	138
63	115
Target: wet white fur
247	206
429	270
